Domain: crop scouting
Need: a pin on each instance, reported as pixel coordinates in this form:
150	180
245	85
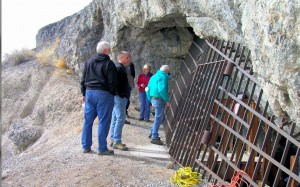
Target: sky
21	19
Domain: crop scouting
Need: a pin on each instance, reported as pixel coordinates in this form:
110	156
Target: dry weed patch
18	57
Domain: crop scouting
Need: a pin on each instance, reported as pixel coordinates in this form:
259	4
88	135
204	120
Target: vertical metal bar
283	158
215	74
274	149
295	166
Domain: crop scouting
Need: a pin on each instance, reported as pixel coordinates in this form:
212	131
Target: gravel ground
41	96
60	162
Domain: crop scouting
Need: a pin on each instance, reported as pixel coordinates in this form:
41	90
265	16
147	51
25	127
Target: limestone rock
22	136
160	32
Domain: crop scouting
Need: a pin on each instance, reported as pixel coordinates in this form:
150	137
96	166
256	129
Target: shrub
18	57
60	63
47	55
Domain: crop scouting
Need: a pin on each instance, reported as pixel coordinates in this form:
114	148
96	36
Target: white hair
165	68
122	53
101	46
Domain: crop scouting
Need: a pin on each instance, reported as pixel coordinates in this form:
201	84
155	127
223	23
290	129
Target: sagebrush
18	57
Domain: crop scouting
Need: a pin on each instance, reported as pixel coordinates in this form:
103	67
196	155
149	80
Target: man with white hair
157	93
99	84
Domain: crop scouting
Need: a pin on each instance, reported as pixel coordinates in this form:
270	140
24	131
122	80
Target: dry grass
60	63
18	57
47	55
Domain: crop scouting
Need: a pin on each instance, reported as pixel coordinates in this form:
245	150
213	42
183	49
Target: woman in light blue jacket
157	93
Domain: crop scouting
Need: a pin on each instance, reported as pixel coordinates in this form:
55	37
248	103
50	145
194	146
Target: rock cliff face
160	32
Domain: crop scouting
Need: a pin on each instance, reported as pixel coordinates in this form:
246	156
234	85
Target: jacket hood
101	57
160	72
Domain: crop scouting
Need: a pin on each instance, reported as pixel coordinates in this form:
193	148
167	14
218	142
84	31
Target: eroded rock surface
160	32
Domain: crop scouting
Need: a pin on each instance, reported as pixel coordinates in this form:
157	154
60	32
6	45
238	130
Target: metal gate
220	122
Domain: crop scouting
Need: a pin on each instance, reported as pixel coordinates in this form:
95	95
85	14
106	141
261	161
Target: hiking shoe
127	122
141	119
112	143
120	146
107	152
84	150
150	136
157	141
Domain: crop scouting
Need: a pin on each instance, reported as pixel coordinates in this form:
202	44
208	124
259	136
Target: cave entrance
220	122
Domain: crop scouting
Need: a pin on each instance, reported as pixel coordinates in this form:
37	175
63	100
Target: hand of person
143	85
82	99
168	104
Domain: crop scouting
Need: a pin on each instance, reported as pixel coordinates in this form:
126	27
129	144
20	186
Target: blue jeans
159	106
144	106
97	103
118	119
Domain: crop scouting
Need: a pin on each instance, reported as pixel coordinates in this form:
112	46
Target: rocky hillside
41	129
41	111
160	32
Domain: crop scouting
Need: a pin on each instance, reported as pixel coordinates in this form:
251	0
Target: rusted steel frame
245	112
264	119
179	128
238	161
256	169
210	172
217	110
256	136
206	106
273	152
215	125
233	166
183	95
183	119
215	53
176	146
233	114
283	158
209	106
205	150
218	57
172	149
177	100
215	76
237	66
222	140
294	167
202	74
227	84
228	80
186	107
250	125
270	158
276	180
222	115
201	96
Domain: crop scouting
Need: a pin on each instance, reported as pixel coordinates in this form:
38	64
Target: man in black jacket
99	84
130	76
120	102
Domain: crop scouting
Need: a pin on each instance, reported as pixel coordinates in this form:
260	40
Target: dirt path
63	163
